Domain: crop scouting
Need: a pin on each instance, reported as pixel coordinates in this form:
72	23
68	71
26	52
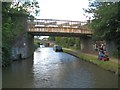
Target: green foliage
36	43
69	42
105	23
7	36
77	42
30	7
110	66
12	27
51	38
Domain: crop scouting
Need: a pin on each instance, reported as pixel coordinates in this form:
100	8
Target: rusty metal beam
57	26
57	29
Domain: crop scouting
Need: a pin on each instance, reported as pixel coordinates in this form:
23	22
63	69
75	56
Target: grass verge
107	65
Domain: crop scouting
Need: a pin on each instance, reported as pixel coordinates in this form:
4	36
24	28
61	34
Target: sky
63	9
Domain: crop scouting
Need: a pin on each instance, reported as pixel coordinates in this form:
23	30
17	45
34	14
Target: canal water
50	69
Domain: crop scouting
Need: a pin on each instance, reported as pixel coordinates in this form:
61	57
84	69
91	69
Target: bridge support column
86	44
30	45
23	47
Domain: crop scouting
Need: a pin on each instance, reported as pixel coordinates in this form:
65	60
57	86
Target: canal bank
111	65
62	69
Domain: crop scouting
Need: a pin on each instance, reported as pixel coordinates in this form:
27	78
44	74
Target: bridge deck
45	26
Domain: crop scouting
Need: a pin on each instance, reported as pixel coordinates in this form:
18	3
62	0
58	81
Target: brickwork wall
22	46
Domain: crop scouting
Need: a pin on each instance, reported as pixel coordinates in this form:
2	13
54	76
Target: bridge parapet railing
55	23
51	25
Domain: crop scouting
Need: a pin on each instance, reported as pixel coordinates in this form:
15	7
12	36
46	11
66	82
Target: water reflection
56	69
64	70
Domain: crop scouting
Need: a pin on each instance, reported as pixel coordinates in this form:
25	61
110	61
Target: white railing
63	26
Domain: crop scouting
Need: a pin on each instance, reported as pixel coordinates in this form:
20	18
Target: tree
105	21
68	42
51	38
8	24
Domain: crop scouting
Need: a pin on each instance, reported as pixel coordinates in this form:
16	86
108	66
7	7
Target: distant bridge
53	27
